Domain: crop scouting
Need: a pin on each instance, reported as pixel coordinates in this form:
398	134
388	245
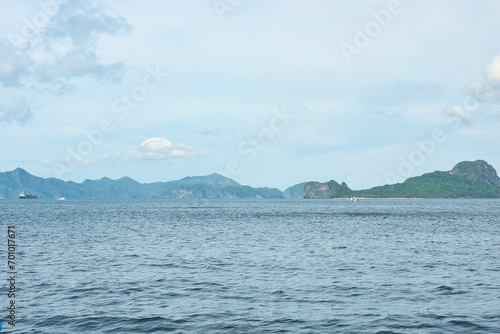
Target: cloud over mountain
157	149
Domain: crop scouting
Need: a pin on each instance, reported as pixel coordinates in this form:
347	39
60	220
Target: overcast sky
269	93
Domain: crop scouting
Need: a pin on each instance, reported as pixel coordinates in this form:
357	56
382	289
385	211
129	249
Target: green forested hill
468	179
434	185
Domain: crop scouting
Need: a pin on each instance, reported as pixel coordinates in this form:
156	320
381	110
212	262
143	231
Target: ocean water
263	266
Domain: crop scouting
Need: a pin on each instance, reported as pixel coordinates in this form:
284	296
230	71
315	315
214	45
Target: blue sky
270	93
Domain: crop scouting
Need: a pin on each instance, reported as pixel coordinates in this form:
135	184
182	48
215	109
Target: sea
251	266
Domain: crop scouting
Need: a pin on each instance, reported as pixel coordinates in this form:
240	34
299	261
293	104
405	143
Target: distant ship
61	198
25	195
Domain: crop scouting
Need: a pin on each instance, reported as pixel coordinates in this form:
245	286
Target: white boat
354	199
61	198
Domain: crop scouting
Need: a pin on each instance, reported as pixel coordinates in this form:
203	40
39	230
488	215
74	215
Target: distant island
468	179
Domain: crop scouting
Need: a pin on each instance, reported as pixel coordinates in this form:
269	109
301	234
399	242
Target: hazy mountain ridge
210	191
210	186
468	179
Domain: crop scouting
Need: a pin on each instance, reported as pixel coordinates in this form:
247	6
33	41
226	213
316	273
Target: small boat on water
354	199
25	195
61	198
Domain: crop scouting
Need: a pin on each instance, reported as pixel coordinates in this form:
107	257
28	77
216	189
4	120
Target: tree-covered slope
330	189
468	179
434	185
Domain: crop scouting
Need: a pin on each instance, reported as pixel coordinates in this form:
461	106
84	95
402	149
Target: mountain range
468	179
210	186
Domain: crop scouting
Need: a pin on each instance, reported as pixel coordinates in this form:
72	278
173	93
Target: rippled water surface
331	266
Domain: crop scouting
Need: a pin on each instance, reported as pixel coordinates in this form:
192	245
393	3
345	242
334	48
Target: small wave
467	324
433	316
444	288
448	290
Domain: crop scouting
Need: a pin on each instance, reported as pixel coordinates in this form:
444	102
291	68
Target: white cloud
483	91
20	112
493	70
488	90
157	149
459	112
13	67
67	47
483	96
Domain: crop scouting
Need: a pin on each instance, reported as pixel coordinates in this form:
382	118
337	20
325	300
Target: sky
269	93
